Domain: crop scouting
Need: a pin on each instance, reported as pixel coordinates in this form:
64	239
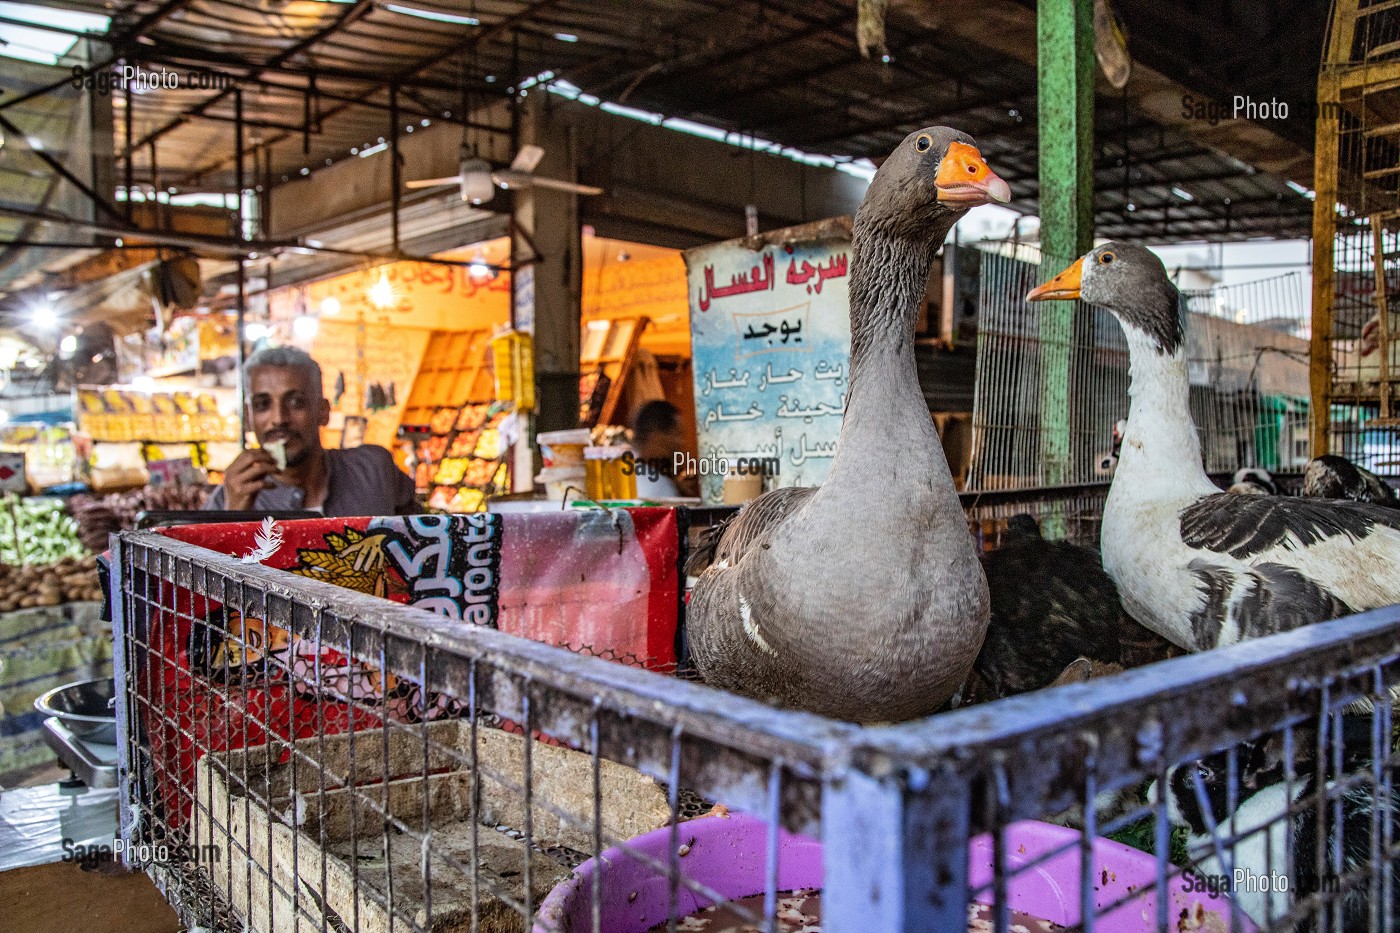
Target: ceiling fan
478	180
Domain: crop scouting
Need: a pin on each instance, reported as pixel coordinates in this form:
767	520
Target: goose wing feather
1246	527
731	539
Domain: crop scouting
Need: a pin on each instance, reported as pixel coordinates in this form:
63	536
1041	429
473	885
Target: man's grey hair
288	357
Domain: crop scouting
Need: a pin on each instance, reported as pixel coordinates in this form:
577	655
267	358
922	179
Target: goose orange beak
964	179
1063	287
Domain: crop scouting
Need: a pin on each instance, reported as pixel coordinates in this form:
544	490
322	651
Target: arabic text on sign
758	279
804	275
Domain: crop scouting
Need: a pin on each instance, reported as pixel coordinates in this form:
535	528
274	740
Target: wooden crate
251	821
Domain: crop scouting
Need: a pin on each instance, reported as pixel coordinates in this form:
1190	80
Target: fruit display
462	459
49	454
433	449
70	579
488	447
443	420
451	471
467	500
36	531
100	516
464	444
471	417
123	415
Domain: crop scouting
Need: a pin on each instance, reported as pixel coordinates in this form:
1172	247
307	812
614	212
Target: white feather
751	627
266	542
296	811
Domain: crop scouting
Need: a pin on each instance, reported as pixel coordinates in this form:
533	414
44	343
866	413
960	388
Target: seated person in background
656	439
290	470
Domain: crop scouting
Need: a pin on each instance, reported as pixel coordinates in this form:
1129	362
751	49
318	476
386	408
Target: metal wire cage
398	770
1247	350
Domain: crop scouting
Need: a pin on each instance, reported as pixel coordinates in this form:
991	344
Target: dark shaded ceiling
313	80
1261	49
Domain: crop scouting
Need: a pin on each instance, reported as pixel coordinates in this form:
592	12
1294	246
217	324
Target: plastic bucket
728	855
563	448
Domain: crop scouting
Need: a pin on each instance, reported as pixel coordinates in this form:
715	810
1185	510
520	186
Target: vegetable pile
100	516
36	531
42	562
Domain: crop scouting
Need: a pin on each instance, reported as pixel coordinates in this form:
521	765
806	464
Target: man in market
290	470
657	436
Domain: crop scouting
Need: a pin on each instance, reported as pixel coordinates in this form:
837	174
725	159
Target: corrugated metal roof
313	79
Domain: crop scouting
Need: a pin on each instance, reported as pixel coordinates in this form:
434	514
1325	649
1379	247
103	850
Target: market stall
50	630
140	435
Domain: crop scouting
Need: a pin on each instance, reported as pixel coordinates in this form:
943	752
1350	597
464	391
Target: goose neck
1160	446
886	414
888	277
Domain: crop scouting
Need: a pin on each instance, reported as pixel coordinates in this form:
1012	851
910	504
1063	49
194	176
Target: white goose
1201	567
862	599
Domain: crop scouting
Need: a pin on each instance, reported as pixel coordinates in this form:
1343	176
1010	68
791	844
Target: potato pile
71	579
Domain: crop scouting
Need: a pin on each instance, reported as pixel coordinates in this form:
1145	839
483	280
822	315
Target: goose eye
923	143
1106	258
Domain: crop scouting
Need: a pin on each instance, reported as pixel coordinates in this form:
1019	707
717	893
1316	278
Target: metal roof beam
476	39
348	16
408	74
154	18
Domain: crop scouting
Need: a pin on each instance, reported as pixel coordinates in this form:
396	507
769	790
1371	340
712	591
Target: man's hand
249	473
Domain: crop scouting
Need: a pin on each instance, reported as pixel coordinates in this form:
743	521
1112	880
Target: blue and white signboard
771	343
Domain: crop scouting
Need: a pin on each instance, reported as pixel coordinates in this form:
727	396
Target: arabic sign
426	295
770	336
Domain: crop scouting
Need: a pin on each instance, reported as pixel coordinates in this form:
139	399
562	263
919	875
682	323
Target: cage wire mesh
402	771
1247	352
1364	346
1356	219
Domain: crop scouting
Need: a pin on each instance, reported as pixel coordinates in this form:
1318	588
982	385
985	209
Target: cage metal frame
894	806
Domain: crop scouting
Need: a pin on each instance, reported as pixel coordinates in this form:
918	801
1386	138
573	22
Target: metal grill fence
400	793
1248	354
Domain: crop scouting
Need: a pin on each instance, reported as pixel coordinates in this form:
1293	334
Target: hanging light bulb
381	293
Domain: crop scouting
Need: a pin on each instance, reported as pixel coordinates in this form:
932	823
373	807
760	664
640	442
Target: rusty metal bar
1324	233
1383	388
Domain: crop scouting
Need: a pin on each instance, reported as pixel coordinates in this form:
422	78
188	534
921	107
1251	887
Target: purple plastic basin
728	856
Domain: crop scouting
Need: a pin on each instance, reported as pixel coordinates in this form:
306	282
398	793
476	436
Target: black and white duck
1201	567
1056	617
862	599
1334	477
1276	822
1253	481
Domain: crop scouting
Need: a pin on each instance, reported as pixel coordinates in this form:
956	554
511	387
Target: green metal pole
1065	40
